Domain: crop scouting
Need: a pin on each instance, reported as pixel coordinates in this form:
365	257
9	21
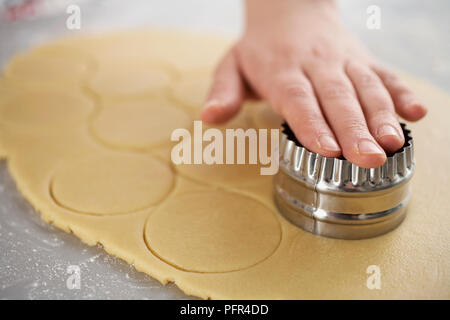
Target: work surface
36	258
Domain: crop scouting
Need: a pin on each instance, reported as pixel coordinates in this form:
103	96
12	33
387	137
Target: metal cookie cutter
334	198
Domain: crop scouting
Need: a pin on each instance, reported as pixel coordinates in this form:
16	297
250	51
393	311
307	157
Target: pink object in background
17	10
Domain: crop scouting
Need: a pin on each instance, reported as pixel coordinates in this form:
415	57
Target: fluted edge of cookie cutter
334	198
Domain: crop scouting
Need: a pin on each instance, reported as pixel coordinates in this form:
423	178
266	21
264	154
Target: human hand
337	99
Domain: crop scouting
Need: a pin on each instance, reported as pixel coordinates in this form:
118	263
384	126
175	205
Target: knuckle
379	101
302	112
335	89
381	115
355	126
311	124
401	89
297	90
312	121
393	83
320	50
291	88
364	76
391	79
287	52
368	81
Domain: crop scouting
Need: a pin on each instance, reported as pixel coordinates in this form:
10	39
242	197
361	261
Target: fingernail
213	103
328	143
368	147
386	130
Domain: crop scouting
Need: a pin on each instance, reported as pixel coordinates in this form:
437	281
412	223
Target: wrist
265	11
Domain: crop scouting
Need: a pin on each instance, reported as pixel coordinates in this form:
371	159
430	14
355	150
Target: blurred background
414	37
414	34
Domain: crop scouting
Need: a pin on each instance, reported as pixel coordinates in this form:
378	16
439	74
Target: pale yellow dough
237	234
50	64
139	123
136	78
85	126
41	109
106	181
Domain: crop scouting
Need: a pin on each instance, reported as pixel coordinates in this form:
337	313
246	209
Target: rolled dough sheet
91	154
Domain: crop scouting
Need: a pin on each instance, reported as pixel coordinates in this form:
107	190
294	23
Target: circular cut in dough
224	175
46	108
112	184
128	78
213	231
232	175
189	52
52	64
139	124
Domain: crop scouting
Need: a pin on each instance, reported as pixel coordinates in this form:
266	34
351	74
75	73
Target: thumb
226	93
